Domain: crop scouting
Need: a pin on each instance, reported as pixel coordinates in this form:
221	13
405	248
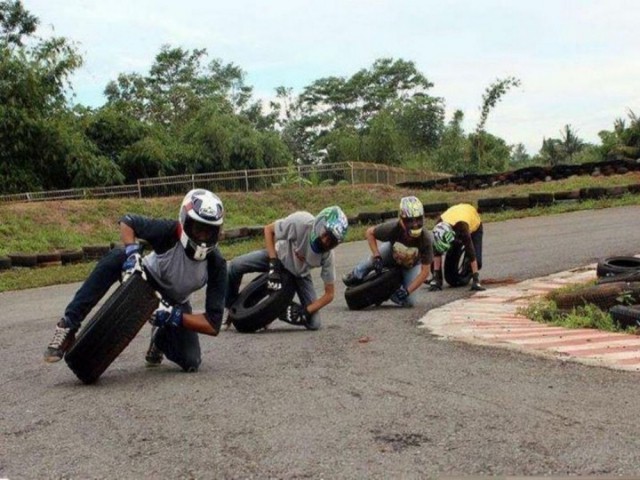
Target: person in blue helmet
297	244
403	242
184	259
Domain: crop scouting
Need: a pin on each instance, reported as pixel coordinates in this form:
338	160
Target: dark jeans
179	345
476	238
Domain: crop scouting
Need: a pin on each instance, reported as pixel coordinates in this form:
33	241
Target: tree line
193	114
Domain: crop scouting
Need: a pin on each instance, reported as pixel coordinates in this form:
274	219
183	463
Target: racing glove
436	282
166	316
377	264
400	296
475	284
296	314
133	263
274	278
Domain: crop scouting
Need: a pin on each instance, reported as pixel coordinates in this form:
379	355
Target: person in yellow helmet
461	222
403	242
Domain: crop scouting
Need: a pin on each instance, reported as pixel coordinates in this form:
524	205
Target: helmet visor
325	242
202	233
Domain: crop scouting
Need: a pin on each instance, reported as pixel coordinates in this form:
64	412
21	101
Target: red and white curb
491	318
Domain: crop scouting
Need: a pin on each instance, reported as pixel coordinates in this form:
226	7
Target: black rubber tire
49	259
603	296
622	277
5	263
257	306
111	329
95	252
611	266
457	268
374	290
23	259
626	316
71	256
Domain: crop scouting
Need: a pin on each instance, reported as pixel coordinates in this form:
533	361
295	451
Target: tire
603	296
257	306
457	268
634	276
5	263
49	259
95	252
611	266
374	290
23	259
111	329
625	316
71	256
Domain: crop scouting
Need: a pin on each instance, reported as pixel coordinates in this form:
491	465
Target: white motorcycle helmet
201	217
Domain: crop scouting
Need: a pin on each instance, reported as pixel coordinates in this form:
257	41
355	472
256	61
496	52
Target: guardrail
238	180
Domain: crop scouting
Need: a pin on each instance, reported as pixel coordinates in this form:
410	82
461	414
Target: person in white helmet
297	244
403	242
184	259
461	222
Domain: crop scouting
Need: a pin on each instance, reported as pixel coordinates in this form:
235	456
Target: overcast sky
578	60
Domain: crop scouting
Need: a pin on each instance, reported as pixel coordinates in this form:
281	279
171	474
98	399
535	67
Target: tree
37	134
492	95
352	103
451	155
178	85
570	142
519	155
15	23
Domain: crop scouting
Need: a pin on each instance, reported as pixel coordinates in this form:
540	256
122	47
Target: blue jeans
179	345
386	252
258	261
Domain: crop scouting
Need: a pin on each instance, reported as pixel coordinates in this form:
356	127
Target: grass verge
48	226
584	316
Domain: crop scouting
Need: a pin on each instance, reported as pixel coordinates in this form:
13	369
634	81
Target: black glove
400	296
296	314
377	264
475	285
436	282
274	281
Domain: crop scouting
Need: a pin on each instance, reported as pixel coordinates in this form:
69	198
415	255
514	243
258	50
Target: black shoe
350	280
154	355
62	341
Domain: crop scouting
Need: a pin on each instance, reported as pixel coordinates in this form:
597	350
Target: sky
577	60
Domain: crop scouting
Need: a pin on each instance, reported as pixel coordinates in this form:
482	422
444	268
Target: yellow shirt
463	212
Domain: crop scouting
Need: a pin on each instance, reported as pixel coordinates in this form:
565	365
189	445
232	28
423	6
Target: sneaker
350	280
154	355
62	340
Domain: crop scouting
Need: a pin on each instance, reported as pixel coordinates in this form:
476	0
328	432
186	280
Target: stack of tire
617	291
625	270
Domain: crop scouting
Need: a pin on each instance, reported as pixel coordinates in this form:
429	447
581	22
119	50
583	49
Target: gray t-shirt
293	246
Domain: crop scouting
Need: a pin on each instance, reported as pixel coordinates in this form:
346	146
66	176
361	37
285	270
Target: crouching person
185	258
296	244
404	243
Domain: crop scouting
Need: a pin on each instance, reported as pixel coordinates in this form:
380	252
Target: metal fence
239	180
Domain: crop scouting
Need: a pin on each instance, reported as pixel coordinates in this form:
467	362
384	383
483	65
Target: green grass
48	226
584	316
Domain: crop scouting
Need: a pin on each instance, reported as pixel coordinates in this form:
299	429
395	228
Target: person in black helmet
184	259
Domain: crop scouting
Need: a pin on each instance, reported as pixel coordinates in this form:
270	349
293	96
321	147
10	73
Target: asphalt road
368	396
